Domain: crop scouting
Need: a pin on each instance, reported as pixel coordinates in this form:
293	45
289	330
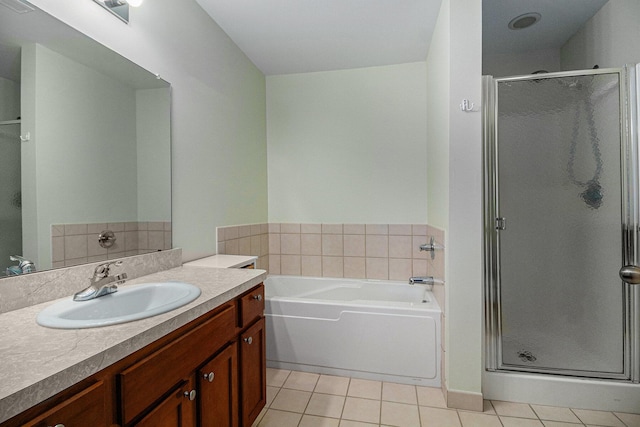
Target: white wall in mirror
85	108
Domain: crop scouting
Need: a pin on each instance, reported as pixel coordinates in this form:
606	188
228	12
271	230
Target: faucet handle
102	270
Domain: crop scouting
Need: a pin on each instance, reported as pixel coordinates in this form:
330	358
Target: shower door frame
629	91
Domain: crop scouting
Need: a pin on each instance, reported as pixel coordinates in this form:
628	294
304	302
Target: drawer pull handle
209	377
58	425
248	340
257	297
191	395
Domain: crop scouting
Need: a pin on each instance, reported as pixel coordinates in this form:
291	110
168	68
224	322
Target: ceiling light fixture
524	21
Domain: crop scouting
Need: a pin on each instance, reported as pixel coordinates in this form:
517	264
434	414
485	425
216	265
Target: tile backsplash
73	244
363	251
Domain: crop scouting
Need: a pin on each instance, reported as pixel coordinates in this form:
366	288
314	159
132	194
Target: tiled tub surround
357	251
39	362
73	244
17	292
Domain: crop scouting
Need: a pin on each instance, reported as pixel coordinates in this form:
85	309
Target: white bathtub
388	331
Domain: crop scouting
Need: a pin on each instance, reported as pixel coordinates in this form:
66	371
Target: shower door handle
630	274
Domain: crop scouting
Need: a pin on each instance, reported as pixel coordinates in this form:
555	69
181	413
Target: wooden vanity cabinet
210	372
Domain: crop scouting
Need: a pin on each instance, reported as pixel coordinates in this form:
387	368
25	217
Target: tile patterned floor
300	399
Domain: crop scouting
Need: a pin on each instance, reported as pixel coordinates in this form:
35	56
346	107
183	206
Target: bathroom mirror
85	146
119	8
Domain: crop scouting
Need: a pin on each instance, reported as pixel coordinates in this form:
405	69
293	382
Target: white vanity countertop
38	362
222	261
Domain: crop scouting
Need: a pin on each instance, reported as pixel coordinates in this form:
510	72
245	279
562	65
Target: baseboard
466	400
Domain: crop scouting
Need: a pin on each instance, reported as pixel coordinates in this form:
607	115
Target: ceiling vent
17	6
524	21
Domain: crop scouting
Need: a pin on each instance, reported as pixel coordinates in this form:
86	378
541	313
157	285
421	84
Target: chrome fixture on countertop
24	266
101	283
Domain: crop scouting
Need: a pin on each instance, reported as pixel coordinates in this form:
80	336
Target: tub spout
422	280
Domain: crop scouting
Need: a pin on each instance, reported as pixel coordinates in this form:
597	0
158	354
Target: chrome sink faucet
424	280
101	282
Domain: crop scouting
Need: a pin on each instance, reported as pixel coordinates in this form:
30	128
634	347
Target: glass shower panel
559	175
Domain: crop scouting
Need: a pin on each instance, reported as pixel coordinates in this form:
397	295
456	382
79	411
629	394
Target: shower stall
561	220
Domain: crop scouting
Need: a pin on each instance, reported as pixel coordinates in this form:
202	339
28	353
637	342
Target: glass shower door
559	211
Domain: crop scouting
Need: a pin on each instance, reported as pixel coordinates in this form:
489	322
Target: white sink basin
130	303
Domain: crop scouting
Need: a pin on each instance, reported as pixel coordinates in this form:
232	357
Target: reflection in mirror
85	140
119	8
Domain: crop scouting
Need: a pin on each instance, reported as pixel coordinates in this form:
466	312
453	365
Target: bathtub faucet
422	280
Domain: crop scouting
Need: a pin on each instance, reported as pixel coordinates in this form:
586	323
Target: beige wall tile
168	240
264	244
115	226
75	247
419	229
231	233
290	244
332	245
332	228
75	229
311	265
244	231
255	229
354	245
232	247
377	268
400	269
290	265
274	264
419	267
57	230
400	229
354	229
133	226
274	227
153	226
57	249
244	246
93	247
131	240
143	240
311	244
145	226
222	248
400	247
377	246
96	228
255	245
311	228
290	228
377	229
332	266
274	243
354	267
220	234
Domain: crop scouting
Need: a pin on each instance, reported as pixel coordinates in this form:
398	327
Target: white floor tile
475	419
314	421
599	418
325	405
553	413
329	384
291	400
399	414
276	377
439	417
631	420
365	410
275	418
520	422
301	381
401	393
365	388
512	409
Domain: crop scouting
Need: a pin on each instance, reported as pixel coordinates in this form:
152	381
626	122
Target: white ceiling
560	20
284	36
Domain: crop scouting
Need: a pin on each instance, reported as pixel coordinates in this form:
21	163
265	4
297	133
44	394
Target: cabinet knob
209	377
191	395
248	340
257	297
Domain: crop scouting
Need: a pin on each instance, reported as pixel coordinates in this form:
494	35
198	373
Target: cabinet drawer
251	305
152	377
86	408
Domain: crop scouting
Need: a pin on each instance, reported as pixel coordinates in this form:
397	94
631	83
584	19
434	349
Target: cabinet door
82	409
253	371
176	410
218	390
